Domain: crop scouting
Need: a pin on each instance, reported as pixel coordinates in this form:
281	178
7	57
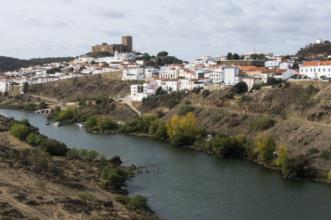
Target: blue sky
186	28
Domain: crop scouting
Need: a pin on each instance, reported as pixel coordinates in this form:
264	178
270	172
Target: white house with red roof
316	69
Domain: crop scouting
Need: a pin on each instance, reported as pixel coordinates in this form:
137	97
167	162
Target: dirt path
127	100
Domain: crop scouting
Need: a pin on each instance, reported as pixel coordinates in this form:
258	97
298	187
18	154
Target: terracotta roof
251	68
317	63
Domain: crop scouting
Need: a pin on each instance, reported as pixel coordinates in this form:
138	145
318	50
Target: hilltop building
125	47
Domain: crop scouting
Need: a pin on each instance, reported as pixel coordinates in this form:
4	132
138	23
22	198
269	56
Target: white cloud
186	28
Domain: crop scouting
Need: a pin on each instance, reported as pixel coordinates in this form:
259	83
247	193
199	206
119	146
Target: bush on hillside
138	125
183	130
35	139
228	147
20	131
76	154
186	109
54	148
158	129
114	178
265	148
261	124
240	88
101	124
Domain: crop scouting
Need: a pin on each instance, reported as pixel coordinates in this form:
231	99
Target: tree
228	147
229	56
114	178
282	156
240	88
182	130
265	147
163	54
54	148
235	56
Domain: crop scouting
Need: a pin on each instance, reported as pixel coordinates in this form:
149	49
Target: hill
315	50
296	115
10	63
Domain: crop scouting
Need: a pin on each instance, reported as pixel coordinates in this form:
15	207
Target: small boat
57	124
47	123
80	125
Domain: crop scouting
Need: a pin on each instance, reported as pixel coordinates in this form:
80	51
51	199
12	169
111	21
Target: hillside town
212	73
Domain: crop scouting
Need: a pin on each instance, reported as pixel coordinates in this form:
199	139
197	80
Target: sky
187	29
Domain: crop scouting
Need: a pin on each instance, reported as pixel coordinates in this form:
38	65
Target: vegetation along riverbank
283	126
42	178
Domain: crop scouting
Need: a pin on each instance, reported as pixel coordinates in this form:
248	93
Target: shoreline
269	167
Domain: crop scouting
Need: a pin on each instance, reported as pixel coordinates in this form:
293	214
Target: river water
182	184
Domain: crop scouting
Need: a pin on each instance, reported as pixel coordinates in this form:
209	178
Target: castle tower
127	41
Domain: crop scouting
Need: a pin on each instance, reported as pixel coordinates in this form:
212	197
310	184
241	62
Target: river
182	184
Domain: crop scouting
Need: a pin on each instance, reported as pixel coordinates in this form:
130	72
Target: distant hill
10	64
315	50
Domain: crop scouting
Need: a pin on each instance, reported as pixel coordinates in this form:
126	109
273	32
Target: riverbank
184	184
80	185
291	168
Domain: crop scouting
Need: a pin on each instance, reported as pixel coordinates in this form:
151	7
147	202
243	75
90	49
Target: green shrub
54	148
35	139
228	147
261	124
282	157
20	131
114	178
186	109
158	129
69	115
298	168
240	88
265	148
101	124
138	125
89	155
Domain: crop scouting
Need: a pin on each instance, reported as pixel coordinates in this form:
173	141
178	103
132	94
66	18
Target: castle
126	46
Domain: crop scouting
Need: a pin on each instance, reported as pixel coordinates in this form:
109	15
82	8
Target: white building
316	69
185	84
169	72
170	85
285	65
4	86
134	73
138	92
272	64
151	73
216	76
231	76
